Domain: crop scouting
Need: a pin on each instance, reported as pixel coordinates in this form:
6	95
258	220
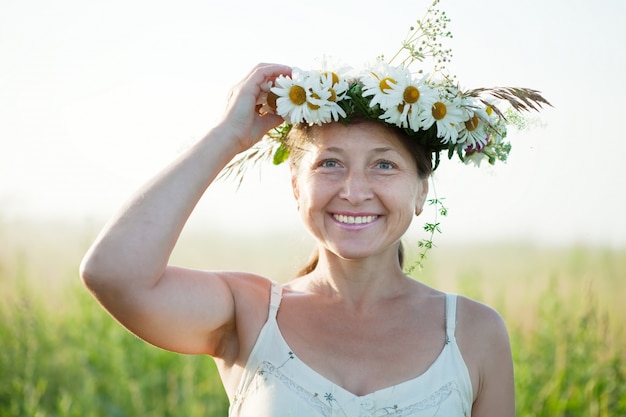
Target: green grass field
62	355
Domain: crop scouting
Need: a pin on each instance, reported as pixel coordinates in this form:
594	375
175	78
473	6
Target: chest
365	352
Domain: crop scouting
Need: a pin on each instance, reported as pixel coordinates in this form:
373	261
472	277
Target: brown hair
302	134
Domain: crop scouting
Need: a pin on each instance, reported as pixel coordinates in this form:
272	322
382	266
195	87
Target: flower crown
436	113
430	108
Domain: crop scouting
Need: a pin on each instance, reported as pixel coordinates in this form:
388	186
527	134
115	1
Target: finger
257	80
263	73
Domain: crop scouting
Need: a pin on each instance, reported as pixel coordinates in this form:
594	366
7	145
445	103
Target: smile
354	219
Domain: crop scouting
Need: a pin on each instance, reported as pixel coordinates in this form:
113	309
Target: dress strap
276	296
450	315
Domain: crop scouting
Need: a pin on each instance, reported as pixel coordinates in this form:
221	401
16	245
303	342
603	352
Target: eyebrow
382	149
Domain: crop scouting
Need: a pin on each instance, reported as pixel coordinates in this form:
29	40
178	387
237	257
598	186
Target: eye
385	165
328	163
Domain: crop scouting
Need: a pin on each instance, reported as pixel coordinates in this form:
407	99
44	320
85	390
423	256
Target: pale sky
95	97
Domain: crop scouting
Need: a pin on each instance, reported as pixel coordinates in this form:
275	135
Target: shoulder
250	293
475	316
483	339
245	284
251	296
480	328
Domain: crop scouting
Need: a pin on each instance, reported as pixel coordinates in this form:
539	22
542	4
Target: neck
359	282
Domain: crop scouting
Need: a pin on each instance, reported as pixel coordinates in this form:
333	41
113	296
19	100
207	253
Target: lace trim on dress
328	406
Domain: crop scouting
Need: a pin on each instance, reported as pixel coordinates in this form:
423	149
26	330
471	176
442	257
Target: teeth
354	219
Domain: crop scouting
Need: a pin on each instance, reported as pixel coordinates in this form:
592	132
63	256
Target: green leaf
280	155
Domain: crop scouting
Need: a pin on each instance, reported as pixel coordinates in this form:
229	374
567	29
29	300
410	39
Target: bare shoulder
248	285
477	318
483	339
250	295
250	298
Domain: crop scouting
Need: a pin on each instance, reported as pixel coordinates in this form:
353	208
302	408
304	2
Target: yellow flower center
489	110
334	77
333	95
297	95
411	94
271	100
439	110
311	105
472	123
401	108
385	84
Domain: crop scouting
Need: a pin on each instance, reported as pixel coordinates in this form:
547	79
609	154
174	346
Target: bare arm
497	388
486	348
127	266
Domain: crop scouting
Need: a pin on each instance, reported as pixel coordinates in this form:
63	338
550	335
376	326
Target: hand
241	118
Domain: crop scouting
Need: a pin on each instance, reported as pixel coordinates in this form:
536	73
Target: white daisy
492	149
337	87
448	115
417	96
396	115
320	109
334	76
329	64
291	103
421	97
474	131
386	84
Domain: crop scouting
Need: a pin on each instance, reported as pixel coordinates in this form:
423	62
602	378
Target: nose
356	188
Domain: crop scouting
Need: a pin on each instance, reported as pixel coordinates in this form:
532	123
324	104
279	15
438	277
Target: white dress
276	383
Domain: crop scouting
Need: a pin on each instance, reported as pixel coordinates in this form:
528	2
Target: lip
354	220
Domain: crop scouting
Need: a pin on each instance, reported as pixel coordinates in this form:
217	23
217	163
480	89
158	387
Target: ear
421	196
294	183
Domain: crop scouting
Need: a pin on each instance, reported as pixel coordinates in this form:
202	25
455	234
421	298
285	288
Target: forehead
356	138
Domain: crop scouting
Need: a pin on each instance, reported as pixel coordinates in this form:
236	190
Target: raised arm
127	266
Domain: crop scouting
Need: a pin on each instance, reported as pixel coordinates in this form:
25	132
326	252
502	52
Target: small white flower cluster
463	123
310	96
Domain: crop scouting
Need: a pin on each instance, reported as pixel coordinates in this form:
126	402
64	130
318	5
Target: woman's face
357	189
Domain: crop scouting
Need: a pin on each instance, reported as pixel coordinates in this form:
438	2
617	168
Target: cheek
301	191
309	197
408	200
313	201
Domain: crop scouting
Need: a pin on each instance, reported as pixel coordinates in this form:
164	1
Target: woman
354	336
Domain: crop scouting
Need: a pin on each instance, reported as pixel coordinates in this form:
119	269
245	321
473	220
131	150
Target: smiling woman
354	335
358	188
324	158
